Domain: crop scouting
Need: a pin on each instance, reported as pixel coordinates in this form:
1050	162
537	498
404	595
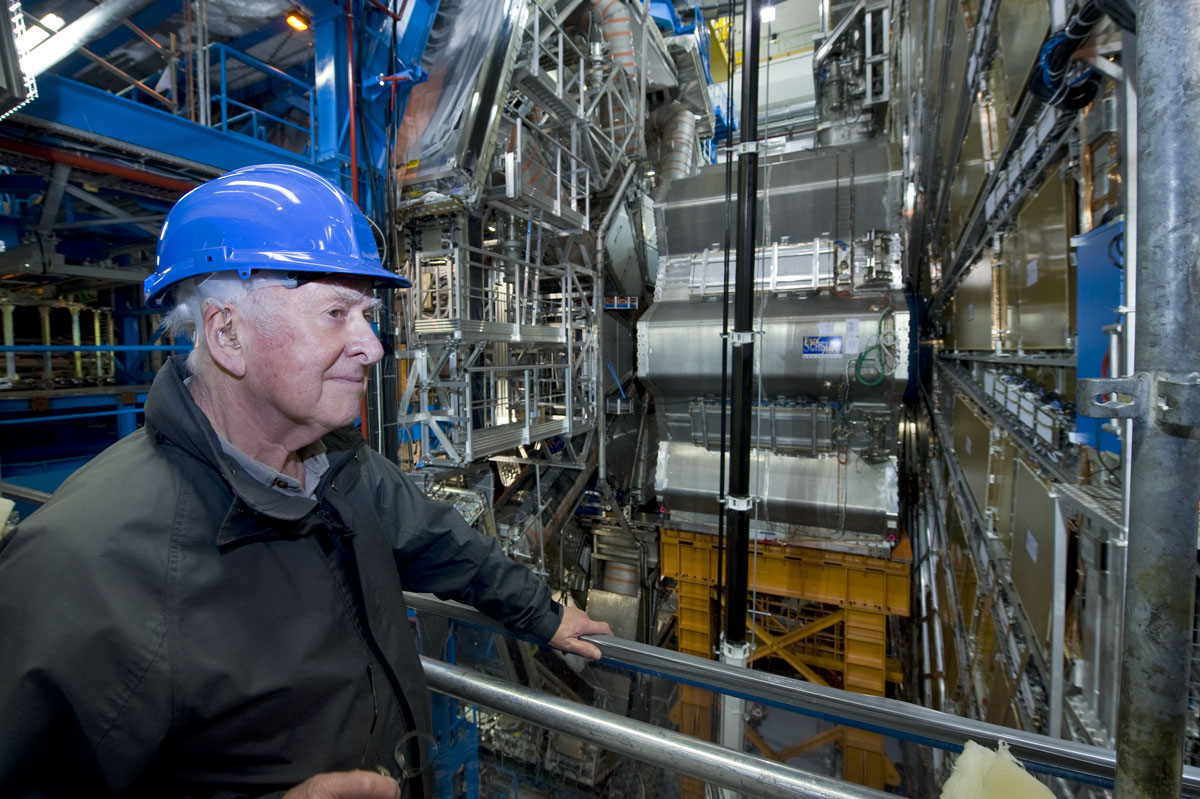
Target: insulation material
618	33
6	509
980	773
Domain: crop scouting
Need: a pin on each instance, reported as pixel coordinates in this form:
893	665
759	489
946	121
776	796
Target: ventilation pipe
617	22
678	150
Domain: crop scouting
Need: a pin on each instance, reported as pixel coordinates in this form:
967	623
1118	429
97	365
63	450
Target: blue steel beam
75	105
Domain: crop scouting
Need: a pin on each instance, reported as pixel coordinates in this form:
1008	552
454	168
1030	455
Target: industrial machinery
934	223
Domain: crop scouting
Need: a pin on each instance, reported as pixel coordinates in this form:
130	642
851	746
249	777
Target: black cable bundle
1049	81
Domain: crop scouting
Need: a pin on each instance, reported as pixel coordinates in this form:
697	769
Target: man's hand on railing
574	624
346	785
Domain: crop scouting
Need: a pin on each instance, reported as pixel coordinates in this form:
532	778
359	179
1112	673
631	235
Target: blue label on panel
822	347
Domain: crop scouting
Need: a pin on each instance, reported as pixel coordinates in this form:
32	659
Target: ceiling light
34	36
649	173
298	20
767	14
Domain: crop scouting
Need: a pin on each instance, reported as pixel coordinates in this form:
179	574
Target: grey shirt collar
316	463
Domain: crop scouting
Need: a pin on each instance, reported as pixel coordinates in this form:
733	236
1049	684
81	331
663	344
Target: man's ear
221	324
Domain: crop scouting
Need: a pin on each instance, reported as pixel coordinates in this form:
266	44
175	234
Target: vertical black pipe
737	553
1161	560
725	304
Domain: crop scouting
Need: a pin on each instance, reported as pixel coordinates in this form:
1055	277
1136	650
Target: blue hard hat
270	216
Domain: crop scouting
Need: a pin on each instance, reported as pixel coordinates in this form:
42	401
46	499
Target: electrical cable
1049	81
1117	244
762	308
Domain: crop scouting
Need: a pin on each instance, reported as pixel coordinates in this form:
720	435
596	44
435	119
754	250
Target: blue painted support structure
253	115
120	413
125	401
96	348
332	100
76	105
1098	293
457	739
380	78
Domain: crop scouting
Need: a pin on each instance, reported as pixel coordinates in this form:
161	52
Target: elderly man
213	606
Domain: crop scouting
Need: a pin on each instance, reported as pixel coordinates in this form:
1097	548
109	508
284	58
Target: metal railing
755	776
1058	757
257	118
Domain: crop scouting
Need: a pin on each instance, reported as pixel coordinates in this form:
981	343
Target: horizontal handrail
64	416
23	493
1068	759
96	348
252	111
680	753
261	66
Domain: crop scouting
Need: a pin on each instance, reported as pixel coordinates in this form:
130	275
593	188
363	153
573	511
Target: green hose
878	360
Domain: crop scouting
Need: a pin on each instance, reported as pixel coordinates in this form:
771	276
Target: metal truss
503	352
503	326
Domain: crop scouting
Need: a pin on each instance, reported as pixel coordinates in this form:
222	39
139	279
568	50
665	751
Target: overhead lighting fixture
17	84
298	20
649	173
34	36
767	14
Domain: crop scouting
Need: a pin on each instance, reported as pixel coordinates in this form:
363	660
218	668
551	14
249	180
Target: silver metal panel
1022	27
969	177
811	194
973	307
789	267
679	347
622	254
972	440
806	494
467	330
780	427
451	119
619	610
1033	563
1046	315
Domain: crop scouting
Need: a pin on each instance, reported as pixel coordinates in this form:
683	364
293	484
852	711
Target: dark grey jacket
170	627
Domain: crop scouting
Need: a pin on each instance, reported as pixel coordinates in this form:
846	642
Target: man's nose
364	342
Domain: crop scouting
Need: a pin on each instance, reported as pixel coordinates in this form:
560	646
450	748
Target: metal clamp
737	337
742	148
738	503
1178	401
1088	390
1168	399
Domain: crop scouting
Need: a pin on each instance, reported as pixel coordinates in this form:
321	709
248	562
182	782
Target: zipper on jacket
362	761
343	557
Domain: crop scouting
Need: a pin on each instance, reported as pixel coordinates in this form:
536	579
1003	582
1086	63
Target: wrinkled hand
346	785
574	624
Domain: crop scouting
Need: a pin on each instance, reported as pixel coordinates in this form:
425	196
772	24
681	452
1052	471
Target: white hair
191	297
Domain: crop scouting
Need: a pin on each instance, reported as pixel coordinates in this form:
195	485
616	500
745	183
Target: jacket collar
173	416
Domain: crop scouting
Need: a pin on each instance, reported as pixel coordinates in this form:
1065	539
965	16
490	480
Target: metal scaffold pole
1165	484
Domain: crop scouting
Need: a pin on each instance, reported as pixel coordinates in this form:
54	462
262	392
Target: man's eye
337	313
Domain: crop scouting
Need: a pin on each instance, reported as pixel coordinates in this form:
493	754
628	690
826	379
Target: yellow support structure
718	35
846	641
